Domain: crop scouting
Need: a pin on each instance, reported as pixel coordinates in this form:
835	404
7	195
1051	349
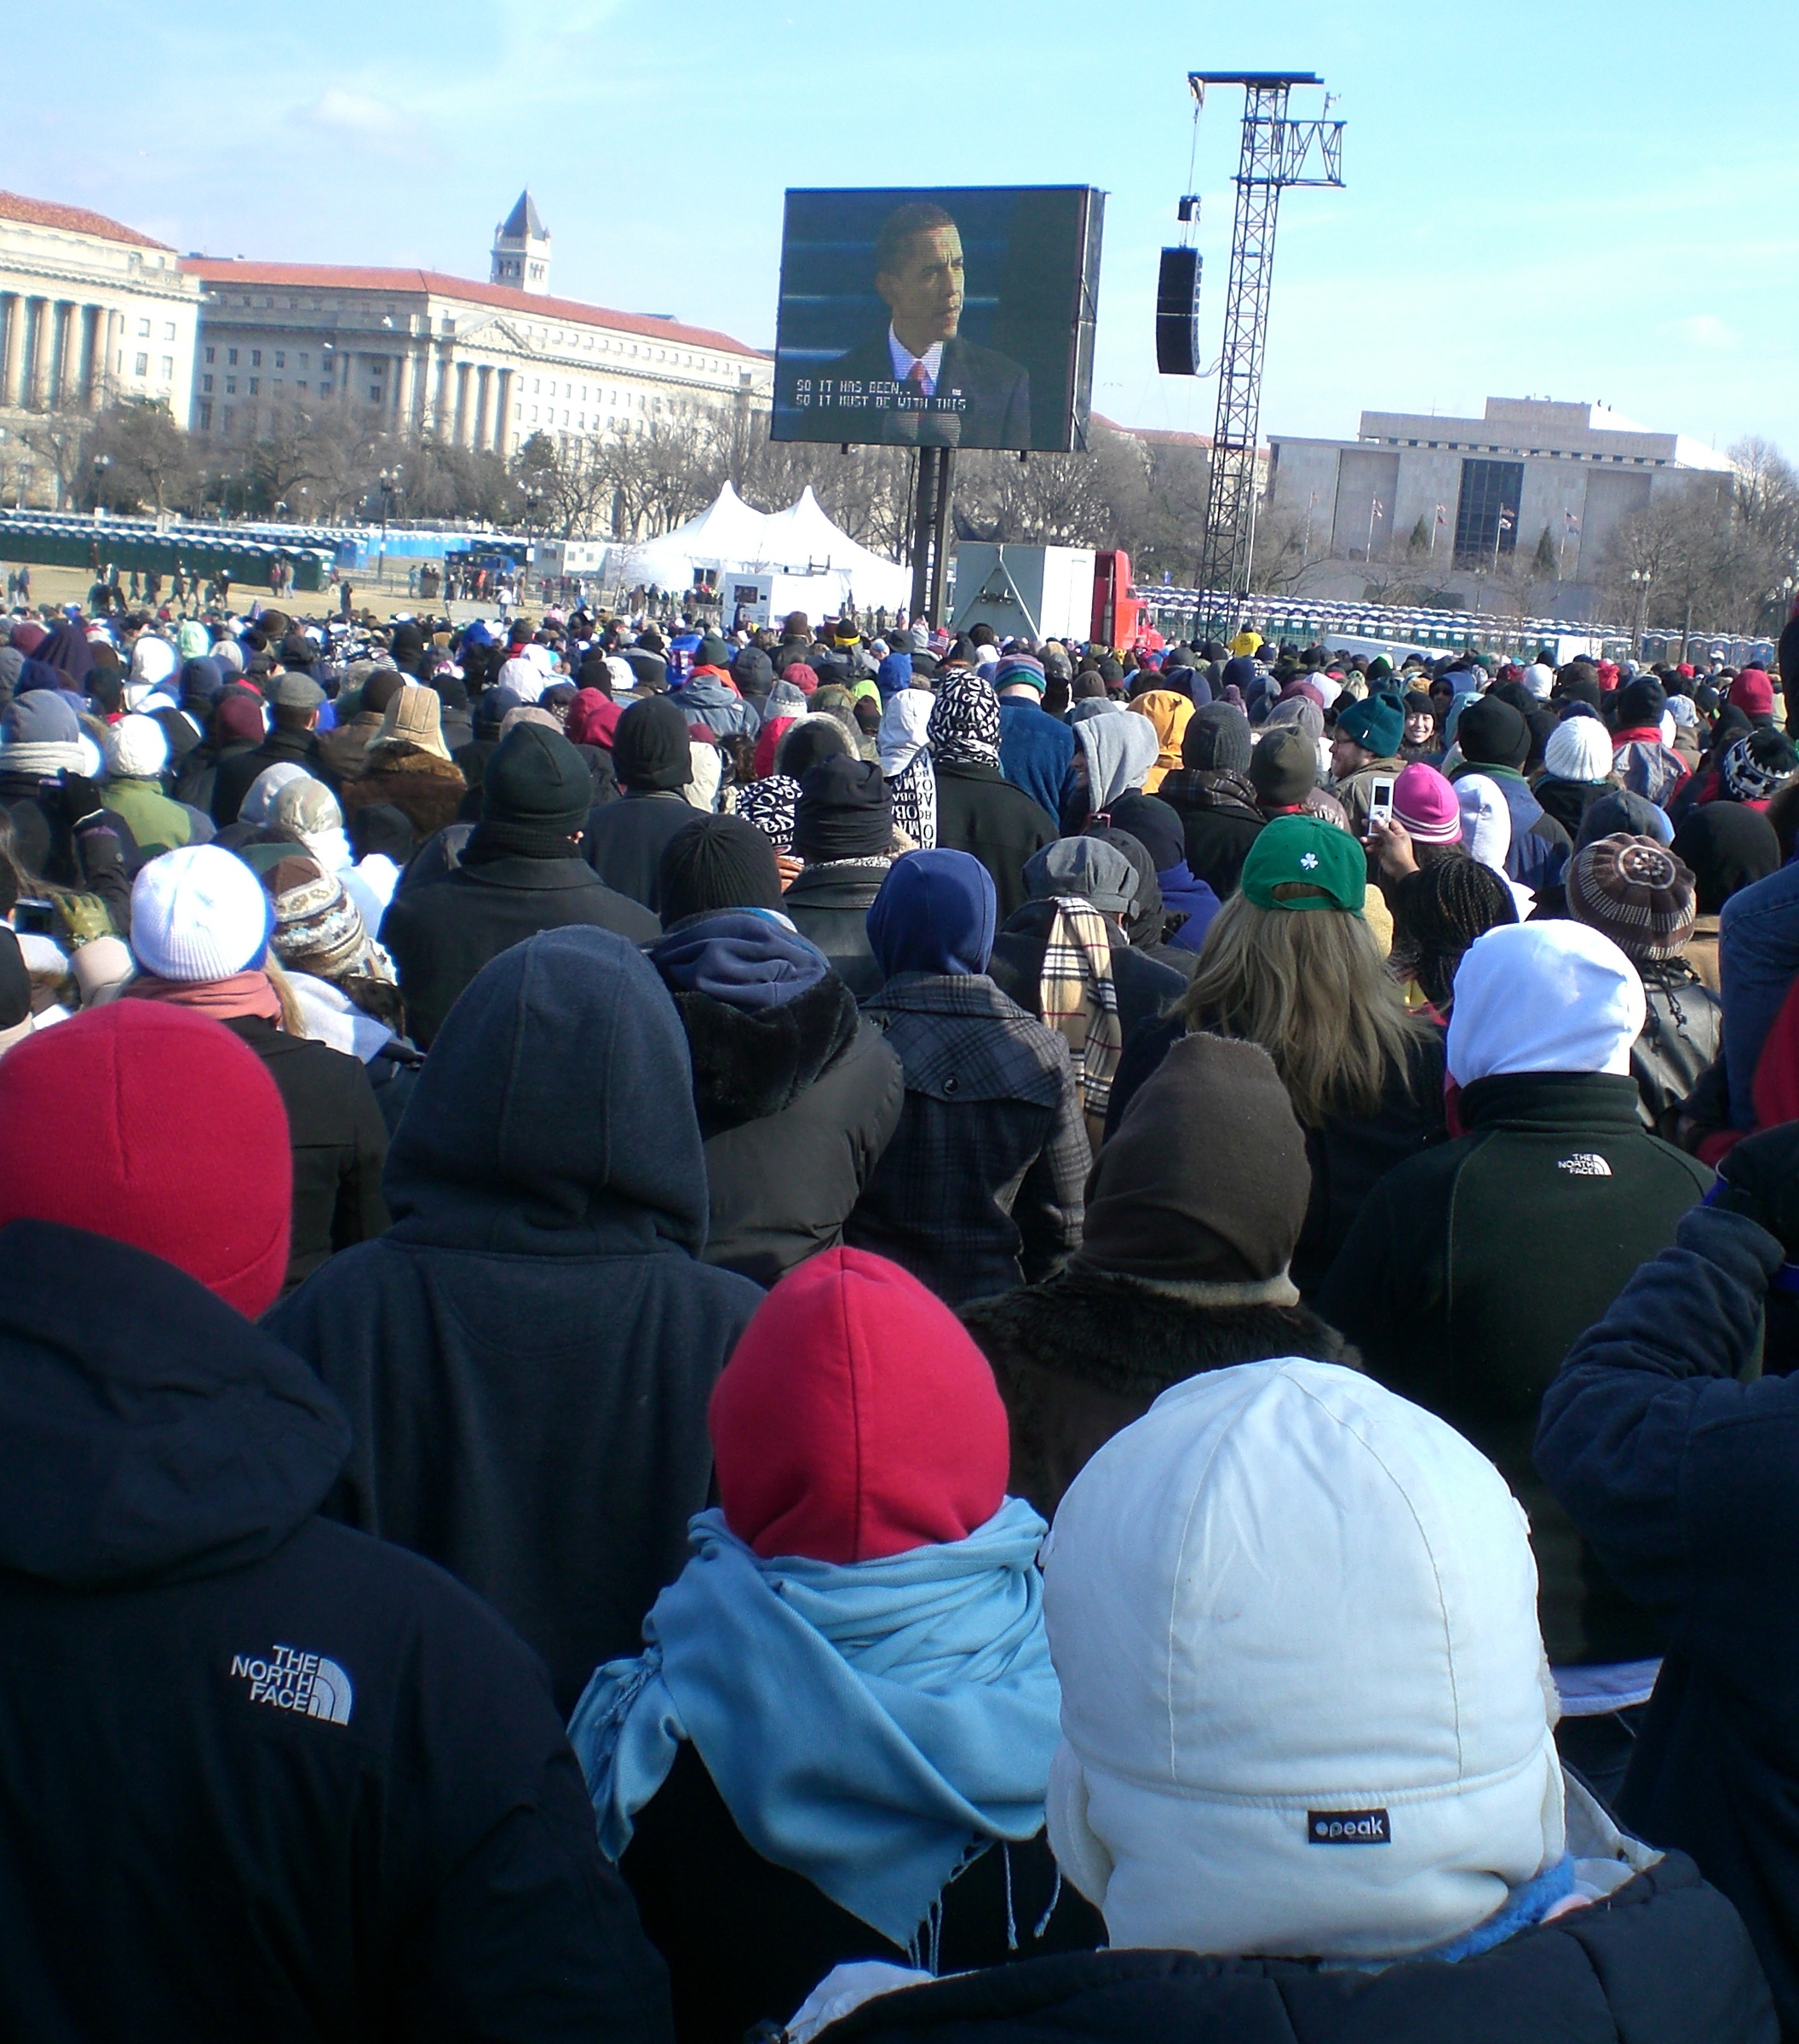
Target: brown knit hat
1204	1185
318	929
414	717
1637	893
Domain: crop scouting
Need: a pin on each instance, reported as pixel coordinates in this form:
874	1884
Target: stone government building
91	310
484	365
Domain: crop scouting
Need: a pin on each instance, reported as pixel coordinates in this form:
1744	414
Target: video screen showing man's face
930	318
921	278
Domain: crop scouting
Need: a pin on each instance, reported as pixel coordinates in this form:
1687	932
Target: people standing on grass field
1284	1083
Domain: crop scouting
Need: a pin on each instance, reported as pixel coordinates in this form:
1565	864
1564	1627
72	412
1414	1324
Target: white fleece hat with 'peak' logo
1305	1707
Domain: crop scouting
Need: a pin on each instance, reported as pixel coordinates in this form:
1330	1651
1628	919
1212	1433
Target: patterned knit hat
319	929
964	727
1636	891
1752	766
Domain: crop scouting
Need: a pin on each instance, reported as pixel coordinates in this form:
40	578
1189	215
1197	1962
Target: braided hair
1438	912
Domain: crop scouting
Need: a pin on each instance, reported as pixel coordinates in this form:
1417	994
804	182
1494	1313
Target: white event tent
730	537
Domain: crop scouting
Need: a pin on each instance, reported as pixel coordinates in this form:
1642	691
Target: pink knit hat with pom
1425	803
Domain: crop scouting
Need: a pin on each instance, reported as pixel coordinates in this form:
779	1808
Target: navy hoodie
260	1776
1678	1461
526	1355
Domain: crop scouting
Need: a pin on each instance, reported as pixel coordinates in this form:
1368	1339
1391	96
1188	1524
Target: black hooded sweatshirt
260	1775
527	1353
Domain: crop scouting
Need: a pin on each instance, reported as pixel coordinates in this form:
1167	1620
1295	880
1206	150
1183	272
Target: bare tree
57	442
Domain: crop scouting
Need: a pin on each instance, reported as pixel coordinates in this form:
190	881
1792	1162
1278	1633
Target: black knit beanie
535	796
1639	704
844	811
650	748
1493	734
719	862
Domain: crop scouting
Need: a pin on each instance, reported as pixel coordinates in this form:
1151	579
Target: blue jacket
1758	956
1035	751
893	674
1184	894
708	700
1682	1476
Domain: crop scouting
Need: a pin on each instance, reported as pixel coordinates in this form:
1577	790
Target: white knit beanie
136	748
1580	750
1557	996
198	914
1305	1706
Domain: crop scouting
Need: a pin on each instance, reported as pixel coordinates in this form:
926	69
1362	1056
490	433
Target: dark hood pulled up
147	1432
555	1115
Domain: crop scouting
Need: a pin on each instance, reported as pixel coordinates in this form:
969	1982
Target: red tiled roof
329	277
74	220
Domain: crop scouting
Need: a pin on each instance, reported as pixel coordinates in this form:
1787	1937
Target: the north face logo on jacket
292	1680
1584	1164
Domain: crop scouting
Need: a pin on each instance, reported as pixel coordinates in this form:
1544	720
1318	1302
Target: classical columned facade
478	366
89	310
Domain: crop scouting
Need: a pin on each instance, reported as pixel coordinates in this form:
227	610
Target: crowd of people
892	1334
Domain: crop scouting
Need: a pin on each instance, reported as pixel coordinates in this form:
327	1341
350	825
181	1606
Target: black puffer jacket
260	1775
340	1143
796	1100
828	905
1665	1960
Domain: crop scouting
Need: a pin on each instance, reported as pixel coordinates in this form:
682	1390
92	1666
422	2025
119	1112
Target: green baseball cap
1305	852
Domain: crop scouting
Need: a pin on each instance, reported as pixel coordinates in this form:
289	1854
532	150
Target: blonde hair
1311	989
293	1016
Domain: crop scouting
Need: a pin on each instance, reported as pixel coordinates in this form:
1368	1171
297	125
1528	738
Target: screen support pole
930	533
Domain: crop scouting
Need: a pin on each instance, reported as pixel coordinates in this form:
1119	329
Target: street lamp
101	463
1640	580
389	490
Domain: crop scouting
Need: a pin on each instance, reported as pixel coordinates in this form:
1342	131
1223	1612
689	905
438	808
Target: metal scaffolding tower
1276	153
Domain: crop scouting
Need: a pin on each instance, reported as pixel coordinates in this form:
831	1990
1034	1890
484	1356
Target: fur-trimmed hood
1079	1359
747	1063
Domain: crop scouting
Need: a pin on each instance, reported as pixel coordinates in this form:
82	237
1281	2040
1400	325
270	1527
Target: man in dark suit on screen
935	389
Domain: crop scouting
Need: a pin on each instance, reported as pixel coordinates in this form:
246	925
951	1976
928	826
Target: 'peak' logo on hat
1347	1828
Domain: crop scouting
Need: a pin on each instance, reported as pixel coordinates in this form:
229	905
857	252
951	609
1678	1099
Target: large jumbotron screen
948	318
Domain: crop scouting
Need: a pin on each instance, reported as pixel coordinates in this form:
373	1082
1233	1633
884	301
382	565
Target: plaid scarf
1080	1002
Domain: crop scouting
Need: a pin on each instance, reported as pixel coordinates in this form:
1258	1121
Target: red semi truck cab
1117	614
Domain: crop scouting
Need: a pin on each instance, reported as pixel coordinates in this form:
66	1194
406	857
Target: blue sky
1578	200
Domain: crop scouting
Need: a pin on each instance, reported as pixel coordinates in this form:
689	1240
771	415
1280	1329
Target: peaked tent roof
731	535
523	222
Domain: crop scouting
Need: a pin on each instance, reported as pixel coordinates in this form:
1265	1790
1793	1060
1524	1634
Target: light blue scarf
865	1725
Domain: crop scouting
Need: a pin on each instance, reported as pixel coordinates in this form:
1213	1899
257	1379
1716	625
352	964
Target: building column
459	433
39	397
441	412
483	406
502	416
408	383
93	362
64	379
12	364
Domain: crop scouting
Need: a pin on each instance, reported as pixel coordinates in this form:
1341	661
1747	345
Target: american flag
1505	521
1442	514
1380	510
1569	520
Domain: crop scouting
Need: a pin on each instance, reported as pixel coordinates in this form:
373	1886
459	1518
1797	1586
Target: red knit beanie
156	1127
856	1419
